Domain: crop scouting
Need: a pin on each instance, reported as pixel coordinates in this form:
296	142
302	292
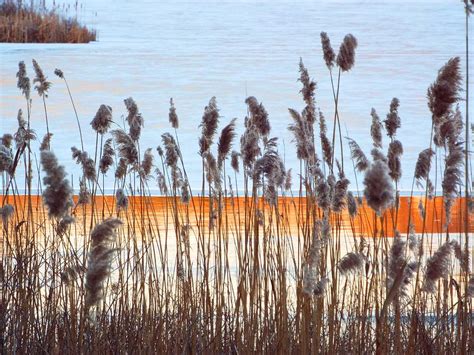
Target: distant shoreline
21	23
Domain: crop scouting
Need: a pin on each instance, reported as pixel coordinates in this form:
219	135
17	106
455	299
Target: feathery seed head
64	224
328	52
437	267
6	140
121	200
102	120
258	116
395	150
362	163
23	80
6	212
376	129
351	263
325	143
6	159
126	146
171	150
173	116
393	122
99	261
423	164
351	204
121	170
42	85
445	90
210	120
46	142
346	57
59	73
147	163
309	86
234	160
378	187
134	119
225	142
57	194
185	193
107	159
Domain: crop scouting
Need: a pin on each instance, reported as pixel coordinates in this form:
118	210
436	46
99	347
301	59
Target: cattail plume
59	73
23	83
42	84
147	164
6	212
351	204
258	115
302	132
225	142
325	143
452	179
24	134
121	200
102	119
171	150
361	161
173	116
351	263
437	267
378	187
121	170
7	140
6	159
45	143
445	90
340	191
57	194
376	129
161	180
346	56
134	119
309	86
126	146
234	160
88	164
328	52
249	148
423	165
210	120
393	121
107	158
395	150
100	257
311	264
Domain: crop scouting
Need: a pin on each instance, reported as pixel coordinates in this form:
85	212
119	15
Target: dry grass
34	24
262	267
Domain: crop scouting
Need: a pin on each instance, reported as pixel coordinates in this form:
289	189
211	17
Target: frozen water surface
193	50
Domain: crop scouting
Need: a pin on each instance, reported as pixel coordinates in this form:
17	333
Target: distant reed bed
290	262
21	22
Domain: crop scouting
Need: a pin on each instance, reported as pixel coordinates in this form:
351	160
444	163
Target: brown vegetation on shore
33	24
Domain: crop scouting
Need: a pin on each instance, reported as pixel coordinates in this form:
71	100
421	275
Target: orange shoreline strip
288	207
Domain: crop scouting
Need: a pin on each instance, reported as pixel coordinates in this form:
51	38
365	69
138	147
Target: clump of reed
33	23
284	263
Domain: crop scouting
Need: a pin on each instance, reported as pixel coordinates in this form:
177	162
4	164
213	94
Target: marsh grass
33	23
262	267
